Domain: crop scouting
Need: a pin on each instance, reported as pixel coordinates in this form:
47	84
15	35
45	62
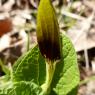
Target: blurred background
76	18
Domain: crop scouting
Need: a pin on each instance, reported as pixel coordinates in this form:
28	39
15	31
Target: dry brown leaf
5	26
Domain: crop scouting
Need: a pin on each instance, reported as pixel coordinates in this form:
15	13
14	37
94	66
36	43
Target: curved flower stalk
48	40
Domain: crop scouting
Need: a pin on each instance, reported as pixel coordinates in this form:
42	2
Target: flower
48	31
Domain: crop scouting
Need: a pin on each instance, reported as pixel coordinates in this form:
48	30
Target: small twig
87	80
28	40
34	3
86	24
72	15
16	44
86	54
11	70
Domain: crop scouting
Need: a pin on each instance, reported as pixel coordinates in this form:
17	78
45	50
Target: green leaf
21	88
4	87
24	88
27	67
31	66
5	68
66	78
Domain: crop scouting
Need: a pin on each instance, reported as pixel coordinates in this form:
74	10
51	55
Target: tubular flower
48	31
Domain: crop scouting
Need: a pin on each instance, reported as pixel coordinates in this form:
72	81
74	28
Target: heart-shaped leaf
66	78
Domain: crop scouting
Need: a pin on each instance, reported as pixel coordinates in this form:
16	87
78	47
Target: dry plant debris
77	18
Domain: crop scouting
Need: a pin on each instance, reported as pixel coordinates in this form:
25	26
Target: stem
28	40
50	69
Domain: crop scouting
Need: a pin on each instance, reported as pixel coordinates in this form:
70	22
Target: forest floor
76	19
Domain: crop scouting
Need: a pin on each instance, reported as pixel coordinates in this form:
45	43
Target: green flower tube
48	31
